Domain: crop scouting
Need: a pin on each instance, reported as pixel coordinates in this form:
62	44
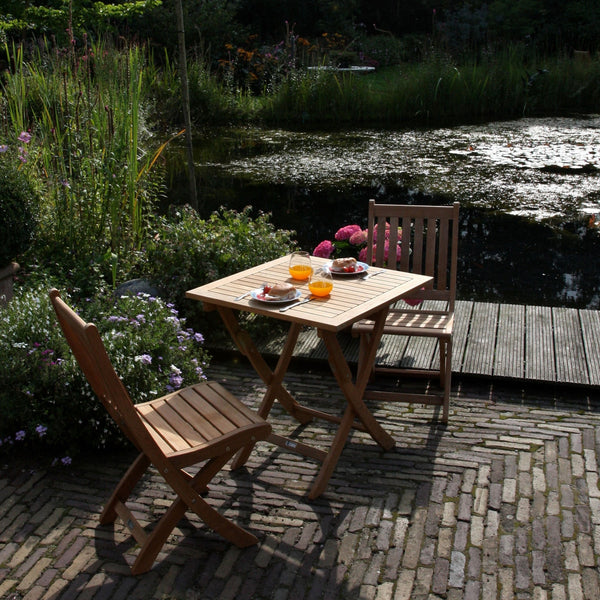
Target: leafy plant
188	251
42	388
19	202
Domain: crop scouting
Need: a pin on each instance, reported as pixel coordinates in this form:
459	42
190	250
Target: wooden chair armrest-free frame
417	239
201	424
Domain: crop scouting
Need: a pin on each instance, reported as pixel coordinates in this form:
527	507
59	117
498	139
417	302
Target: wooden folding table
353	298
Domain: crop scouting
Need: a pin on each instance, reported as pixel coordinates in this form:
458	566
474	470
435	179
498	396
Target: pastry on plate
348	265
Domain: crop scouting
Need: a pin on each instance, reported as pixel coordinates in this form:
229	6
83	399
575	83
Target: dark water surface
529	193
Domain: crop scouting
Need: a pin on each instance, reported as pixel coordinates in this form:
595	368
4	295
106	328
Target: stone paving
502	503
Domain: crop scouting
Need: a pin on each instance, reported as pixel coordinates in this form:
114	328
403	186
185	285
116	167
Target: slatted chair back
417	239
90	353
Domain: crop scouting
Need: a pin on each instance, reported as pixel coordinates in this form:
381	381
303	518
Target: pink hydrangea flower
345	233
358	238
412	301
387	230
324	249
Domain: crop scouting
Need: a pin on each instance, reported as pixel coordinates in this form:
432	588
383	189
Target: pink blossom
386	250
413	301
324	249
344	233
358	238
24	137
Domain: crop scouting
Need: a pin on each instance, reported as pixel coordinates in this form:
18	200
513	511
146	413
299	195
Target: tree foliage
545	25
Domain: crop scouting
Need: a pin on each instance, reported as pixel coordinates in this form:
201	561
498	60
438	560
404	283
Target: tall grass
87	116
438	91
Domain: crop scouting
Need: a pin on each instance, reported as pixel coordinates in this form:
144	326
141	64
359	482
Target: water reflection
530	190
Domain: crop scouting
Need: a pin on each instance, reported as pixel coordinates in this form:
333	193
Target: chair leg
124	488
229	530
443	348
234	533
447	384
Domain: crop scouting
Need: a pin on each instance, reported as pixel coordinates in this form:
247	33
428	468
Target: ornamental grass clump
45	401
97	161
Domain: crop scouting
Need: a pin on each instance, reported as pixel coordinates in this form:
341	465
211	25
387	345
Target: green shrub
18	206
188	251
45	401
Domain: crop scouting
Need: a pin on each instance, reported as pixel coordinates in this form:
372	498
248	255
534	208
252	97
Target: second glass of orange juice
321	283
299	266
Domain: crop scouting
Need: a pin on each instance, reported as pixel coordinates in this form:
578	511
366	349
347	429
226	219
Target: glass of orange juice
321	283
299	266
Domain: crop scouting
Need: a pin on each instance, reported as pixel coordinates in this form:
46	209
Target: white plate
361	267
259	295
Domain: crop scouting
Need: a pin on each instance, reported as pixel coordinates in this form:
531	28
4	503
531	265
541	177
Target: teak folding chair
202	423
417	239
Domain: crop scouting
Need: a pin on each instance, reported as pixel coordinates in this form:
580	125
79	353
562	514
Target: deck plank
590	330
463	311
479	353
568	347
539	344
509	357
391	350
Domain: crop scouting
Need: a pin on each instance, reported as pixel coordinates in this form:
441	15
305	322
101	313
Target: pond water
529	193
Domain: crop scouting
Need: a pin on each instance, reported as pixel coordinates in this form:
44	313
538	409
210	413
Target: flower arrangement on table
351	240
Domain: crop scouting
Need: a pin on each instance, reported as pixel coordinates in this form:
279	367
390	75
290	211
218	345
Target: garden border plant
45	401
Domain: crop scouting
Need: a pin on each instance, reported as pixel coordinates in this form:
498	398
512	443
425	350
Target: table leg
273	380
354	396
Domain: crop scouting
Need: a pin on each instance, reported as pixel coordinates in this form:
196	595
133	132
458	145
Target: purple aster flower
145	359
175	380
20	435
3	148
66	460
41	430
24	137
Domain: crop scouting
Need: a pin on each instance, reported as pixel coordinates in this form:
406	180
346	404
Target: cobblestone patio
502	503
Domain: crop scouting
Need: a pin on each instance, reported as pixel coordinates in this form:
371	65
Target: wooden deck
512	342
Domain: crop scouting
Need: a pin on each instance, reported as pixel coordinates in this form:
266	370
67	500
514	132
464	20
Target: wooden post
185	97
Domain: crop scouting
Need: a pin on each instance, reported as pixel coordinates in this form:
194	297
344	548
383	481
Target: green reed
86	112
439	91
